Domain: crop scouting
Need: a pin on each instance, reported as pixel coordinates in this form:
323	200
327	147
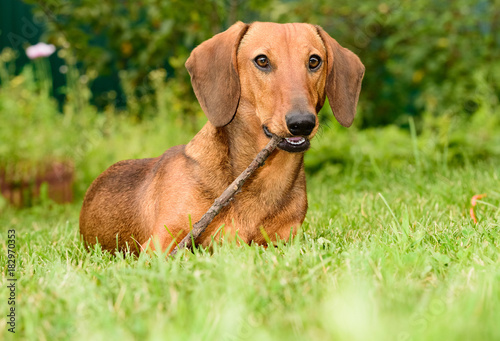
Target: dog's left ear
343	82
214	74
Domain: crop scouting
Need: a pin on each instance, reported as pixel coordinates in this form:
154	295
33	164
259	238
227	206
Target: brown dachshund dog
252	81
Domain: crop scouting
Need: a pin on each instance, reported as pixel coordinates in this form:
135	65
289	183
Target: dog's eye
314	62
262	61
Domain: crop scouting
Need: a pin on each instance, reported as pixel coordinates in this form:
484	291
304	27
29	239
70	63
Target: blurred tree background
420	55
431	70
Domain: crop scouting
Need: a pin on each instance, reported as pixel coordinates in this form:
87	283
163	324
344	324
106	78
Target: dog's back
117	208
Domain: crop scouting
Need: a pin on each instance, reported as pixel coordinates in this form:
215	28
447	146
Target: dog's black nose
300	123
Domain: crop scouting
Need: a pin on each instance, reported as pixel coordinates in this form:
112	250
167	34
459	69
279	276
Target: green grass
384	254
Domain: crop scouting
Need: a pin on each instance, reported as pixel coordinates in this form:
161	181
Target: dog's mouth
295	144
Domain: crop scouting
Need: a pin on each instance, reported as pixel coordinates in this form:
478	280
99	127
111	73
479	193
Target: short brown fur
147	202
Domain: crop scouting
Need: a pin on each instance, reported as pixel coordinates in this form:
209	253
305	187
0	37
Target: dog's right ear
214	74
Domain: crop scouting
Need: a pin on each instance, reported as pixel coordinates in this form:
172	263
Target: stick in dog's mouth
294	144
227	195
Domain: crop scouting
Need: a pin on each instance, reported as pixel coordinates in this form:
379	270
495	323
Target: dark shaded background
420	55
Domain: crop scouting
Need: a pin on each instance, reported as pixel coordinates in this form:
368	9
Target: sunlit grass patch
394	258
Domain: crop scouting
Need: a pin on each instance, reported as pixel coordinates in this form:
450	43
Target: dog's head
280	72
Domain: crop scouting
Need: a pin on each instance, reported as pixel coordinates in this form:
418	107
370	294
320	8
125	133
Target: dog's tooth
295	142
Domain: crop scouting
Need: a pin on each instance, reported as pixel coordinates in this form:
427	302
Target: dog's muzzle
294	144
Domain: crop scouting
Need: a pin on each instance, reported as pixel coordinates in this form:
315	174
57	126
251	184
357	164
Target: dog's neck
232	148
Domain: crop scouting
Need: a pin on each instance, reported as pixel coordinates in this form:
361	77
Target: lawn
385	253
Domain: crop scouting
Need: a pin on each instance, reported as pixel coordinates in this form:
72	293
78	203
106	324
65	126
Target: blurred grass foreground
388	250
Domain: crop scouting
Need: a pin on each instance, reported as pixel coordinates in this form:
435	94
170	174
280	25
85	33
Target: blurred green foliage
421	56
34	133
132	38
431	81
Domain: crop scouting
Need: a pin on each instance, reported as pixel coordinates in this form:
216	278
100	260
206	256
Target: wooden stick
227	196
